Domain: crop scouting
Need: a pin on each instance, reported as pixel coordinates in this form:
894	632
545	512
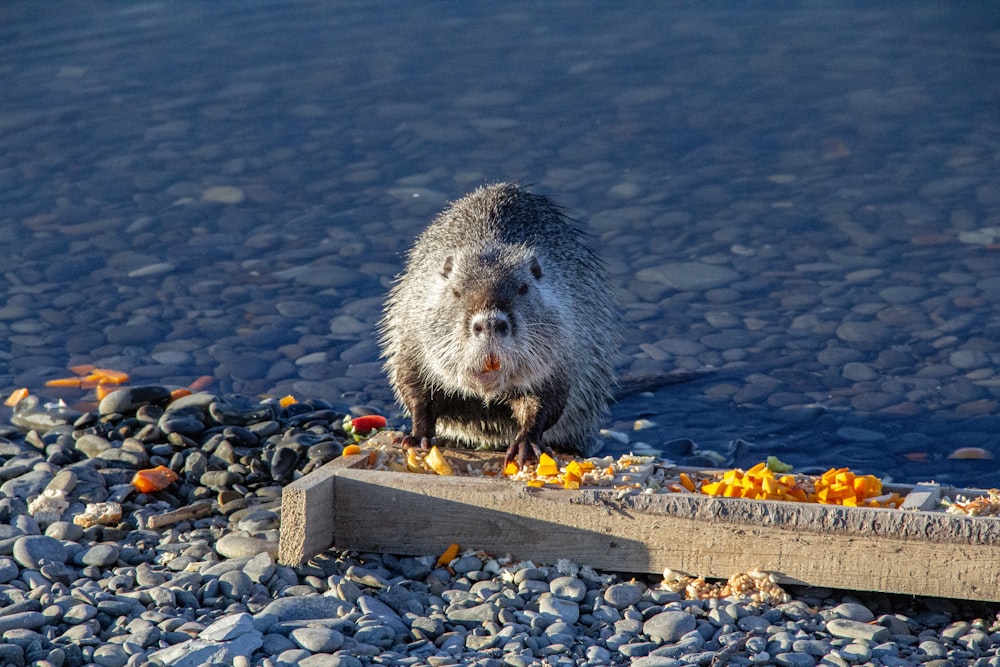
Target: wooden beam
911	552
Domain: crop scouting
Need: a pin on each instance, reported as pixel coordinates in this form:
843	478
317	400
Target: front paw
524	451
410	440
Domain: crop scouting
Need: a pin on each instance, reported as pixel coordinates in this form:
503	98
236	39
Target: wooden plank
306	515
912	552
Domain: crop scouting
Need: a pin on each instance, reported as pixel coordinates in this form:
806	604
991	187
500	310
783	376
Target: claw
414	442
524	452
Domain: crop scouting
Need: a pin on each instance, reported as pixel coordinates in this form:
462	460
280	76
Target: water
803	199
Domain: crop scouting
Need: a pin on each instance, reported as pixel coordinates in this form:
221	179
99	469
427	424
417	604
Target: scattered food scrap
986	505
755	585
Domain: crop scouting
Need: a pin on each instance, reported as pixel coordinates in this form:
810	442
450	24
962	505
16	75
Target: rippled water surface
803	201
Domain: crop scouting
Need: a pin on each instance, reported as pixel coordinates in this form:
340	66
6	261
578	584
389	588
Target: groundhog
500	331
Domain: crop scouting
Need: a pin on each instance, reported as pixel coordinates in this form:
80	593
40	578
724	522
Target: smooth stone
376	634
198	652
853	610
969	359
669	626
688	276
317	640
260	568
240	546
474	616
848	629
228	628
111	655
383	612
100	555
235	585
124	401
32	551
569	588
863	332
933	649
855	652
794	660
27	485
28	620
79	613
557	609
8	570
856	371
623	595
303	608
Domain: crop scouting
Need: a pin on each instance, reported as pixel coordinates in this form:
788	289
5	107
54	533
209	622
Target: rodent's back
505	258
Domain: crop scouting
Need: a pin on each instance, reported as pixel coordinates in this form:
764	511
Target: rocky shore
187	575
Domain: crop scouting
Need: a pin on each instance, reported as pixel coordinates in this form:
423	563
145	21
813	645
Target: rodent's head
496	321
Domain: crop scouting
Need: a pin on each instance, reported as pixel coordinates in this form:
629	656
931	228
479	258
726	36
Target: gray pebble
848	629
124	401
375	634
623	595
100	555
302	608
317	640
32	551
852	610
111	655
239	546
8	570
569	588
794	660
669	626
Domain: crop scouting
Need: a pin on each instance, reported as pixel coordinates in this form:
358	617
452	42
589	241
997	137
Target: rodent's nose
490	323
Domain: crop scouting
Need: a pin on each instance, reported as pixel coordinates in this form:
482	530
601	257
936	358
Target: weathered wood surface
912	552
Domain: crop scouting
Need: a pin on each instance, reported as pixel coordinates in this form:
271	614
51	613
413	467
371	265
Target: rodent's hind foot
524	451
409	440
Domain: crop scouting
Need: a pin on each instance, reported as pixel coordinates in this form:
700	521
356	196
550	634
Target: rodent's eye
522	289
456	293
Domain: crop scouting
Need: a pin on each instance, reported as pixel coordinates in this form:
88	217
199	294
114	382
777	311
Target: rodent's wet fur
500	332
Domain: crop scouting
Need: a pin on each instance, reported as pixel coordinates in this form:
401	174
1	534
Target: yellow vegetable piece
547	466
351	450
413	462
712	488
575	469
287	400
510	469
435	459
448	555
571	483
535	483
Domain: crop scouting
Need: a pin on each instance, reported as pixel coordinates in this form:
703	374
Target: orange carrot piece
109	375
201	383
448	555
153	479
16	396
82	369
351	450
686	482
285	401
179	393
63	382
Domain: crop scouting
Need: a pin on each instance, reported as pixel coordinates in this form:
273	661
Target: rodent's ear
536	268
449	262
